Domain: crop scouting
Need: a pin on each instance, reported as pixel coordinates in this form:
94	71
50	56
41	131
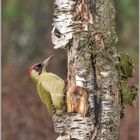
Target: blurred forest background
26	39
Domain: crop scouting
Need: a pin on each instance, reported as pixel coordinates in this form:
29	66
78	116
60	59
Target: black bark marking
96	88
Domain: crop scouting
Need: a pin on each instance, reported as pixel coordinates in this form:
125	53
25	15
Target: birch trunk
86	28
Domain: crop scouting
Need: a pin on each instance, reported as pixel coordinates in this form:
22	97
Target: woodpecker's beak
46	62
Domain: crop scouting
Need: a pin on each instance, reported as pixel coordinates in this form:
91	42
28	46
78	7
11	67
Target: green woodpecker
50	87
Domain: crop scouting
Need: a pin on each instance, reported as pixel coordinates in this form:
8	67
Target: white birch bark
86	28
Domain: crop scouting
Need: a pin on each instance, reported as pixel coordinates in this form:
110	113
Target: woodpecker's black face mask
38	68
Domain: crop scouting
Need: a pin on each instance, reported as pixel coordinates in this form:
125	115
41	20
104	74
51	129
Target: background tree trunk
87	29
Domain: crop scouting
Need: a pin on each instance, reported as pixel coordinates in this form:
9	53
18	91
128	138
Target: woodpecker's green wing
55	85
45	97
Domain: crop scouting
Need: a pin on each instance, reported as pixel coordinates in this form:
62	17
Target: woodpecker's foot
58	112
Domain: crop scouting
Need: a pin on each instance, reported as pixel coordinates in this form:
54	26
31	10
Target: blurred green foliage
127	8
11	10
127	27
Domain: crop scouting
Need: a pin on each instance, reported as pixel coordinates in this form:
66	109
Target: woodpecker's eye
38	68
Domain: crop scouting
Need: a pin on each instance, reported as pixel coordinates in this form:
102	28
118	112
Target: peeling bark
87	29
63	23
